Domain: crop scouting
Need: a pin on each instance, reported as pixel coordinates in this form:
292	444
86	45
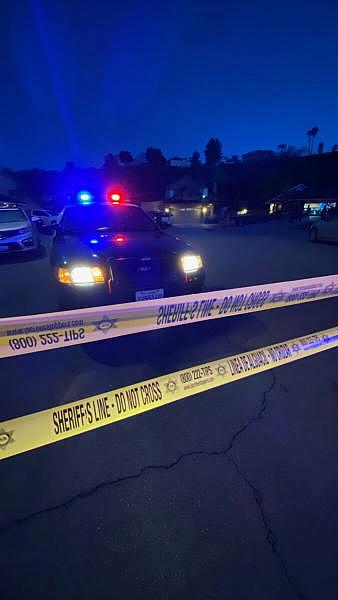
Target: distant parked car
43	217
245	216
162	219
326	229
17	233
309	219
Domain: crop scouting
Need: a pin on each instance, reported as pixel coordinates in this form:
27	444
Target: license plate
150	294
4	248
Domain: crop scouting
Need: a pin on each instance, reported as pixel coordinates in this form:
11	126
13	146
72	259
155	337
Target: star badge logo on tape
171	386
295	347
6	437
104	324
222	370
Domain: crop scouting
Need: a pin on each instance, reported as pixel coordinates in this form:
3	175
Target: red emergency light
119	238
115	197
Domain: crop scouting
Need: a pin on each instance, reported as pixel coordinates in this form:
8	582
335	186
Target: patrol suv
108	252
17	233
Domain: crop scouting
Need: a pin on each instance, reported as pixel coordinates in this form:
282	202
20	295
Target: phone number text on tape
35	333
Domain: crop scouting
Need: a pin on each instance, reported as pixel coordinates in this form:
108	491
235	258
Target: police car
112	251
17	233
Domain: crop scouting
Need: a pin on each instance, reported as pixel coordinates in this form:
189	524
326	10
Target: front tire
313	235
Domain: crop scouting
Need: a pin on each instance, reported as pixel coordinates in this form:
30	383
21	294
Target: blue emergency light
85	197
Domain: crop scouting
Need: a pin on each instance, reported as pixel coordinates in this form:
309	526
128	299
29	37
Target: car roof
9	205
110	204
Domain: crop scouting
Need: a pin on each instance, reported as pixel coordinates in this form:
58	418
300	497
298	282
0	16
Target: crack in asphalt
143	470
271	538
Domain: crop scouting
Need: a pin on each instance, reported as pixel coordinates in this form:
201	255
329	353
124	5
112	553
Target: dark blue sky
81	78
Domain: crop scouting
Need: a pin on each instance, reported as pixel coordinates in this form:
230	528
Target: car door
330	229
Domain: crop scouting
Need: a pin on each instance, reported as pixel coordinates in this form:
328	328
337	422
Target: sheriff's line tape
52	425
35	333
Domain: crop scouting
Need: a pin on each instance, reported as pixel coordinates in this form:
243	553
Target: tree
196	159
292	151
311	134
334	148
155	157
315	131
308	145
282	148
110	162
213	152
70	165
125	157
320	147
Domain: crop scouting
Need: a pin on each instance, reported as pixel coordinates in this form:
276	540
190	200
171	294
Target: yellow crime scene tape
35	333
32	431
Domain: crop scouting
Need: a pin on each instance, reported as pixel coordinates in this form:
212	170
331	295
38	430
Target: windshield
12	216
85	219
39	213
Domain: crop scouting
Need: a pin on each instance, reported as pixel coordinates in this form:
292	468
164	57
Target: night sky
84	78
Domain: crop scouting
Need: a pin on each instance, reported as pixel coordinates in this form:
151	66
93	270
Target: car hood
136	245
14	225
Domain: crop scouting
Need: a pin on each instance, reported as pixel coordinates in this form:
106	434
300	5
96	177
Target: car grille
144	273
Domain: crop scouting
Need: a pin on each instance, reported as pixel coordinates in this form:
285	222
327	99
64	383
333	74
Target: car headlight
80	275
191	263
24	230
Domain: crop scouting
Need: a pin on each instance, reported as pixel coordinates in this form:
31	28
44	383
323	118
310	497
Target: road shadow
328	243
23	257
164	349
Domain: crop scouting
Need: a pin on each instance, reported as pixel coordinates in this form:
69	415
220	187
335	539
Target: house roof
186	181
302	192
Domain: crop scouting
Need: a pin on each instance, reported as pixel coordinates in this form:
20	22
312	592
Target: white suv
43	217
326	229
17	234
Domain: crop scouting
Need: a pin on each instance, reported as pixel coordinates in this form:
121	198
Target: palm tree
311	134
315	132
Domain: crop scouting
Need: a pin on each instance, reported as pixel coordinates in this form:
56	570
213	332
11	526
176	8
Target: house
257	155
300	198
186	189
176	161
187	199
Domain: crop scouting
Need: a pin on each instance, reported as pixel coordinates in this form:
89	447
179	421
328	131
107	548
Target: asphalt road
231	493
